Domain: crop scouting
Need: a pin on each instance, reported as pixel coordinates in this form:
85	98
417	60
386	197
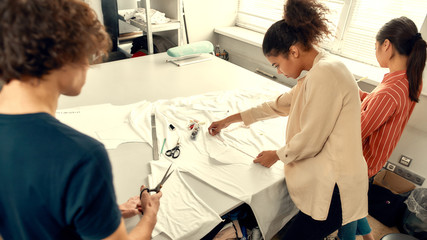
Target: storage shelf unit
149	28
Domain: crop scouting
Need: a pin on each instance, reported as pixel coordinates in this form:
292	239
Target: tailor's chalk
164	141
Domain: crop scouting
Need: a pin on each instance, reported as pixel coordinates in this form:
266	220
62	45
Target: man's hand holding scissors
150	203
149	207
147	204
134	205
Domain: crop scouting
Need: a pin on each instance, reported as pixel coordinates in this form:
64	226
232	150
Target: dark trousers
303	227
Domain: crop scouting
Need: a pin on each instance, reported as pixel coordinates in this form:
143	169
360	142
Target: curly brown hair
303	22
37	36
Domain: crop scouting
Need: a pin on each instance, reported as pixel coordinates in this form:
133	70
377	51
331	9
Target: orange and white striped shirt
385	113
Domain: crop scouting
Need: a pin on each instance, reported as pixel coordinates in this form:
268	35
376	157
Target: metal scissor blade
165	177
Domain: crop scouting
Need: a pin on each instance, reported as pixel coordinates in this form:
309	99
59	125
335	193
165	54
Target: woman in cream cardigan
325	171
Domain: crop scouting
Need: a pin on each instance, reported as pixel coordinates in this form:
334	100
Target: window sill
374	74
241	34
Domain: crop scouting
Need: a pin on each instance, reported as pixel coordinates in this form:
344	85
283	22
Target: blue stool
398	236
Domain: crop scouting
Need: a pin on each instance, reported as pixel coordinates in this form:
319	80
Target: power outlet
405	173
390	166
405	161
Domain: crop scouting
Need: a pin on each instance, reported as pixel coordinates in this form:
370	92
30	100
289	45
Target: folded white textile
127	14
182	214
157	17
105	122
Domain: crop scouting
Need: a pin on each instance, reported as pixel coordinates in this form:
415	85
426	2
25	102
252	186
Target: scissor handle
169	153
174	152
144	189
149	190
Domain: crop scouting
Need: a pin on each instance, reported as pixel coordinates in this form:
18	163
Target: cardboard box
393	182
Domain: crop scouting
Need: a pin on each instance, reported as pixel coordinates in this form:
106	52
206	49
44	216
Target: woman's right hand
216	127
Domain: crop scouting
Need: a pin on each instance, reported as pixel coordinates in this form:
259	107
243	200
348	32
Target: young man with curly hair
56	183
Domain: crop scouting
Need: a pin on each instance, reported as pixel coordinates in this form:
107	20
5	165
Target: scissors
174	152
160	185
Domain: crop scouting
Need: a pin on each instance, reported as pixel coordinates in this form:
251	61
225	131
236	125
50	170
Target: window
354	23
258	15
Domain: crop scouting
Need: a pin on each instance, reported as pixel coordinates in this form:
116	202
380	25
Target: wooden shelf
129	35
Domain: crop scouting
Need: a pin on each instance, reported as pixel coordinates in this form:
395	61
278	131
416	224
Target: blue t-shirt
55	182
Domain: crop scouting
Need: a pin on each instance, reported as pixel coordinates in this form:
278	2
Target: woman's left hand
267	158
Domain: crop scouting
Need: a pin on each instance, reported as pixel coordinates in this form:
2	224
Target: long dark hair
403	34
303	22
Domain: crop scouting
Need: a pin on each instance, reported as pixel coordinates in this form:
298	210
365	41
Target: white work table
151	78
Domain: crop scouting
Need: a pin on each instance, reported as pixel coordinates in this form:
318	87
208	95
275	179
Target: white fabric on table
140	120
226	162
218	150
105	122
182	214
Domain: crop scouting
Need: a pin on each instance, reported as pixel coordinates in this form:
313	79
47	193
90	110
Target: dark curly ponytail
303	22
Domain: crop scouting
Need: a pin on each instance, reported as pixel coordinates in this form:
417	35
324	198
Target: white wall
250	57
413	144
204	15
96	6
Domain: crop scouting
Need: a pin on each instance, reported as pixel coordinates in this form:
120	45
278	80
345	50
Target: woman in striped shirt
386	110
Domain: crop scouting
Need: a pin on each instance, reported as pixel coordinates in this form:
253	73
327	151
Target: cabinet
148	28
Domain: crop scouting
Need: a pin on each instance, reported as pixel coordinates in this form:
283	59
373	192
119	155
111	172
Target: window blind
354	23
365	20
258	15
